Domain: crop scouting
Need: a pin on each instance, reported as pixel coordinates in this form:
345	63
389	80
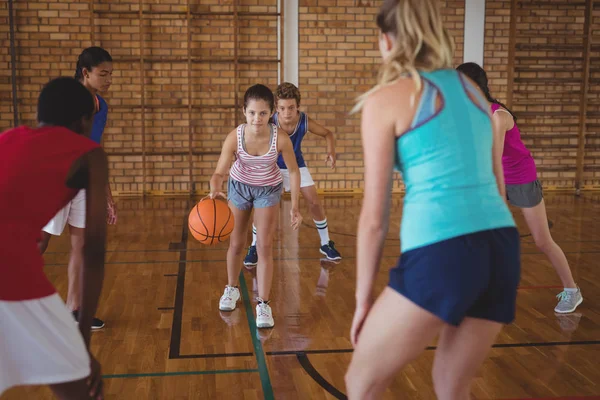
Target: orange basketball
211	221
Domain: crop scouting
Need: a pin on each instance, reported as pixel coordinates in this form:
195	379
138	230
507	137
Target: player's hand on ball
296	218
214	195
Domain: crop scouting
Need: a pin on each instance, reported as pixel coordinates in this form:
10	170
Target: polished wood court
166	339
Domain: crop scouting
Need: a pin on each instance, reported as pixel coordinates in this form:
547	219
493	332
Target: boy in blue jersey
297	124
94	71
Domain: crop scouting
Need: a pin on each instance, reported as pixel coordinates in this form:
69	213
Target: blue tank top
296	138
446	162
99	120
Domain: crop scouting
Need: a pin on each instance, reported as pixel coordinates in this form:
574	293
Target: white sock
253	235
572	290
323	231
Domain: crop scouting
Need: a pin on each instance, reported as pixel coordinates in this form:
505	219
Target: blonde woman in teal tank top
459	268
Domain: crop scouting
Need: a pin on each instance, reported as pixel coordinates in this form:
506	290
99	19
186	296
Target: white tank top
256	170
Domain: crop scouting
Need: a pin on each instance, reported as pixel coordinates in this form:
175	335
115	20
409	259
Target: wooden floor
166	339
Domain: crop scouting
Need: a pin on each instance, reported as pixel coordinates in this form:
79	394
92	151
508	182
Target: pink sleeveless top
256	170
518	164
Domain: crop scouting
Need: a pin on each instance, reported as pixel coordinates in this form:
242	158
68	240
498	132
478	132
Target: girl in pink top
524	190
255	183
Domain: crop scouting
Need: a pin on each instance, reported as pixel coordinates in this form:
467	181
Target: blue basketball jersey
296	138
99	120
446	163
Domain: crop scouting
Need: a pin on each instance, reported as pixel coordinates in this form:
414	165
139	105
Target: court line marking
265	380
216	355
495	346
175	343
592	397
318	378
289	259
152	374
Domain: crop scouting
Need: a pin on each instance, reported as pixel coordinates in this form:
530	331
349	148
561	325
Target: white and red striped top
256	170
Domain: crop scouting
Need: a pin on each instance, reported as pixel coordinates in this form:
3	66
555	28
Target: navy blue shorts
474	275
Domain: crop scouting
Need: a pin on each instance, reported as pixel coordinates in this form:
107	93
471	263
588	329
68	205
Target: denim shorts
246	197
474	275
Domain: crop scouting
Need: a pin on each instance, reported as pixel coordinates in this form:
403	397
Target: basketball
211	221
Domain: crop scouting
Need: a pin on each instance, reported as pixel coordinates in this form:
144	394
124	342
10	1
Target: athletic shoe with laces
568	301
96	322
229	299
264	315
329	251
251	258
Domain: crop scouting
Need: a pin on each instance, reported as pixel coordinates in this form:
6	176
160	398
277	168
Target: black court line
317	377
495	346
305	224
302	358
175	345
217	355
165	308
288	259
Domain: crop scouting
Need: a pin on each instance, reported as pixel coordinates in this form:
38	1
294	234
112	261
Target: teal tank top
445	159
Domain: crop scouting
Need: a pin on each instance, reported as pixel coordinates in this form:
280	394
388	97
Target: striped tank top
256	170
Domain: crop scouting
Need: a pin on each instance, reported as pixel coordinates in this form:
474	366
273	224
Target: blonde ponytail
421	43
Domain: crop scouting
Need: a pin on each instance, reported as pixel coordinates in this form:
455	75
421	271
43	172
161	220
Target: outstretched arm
227	153
320	130
286	148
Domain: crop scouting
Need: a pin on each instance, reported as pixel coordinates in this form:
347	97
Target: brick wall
50	35
547	84
591	174
6	109
338	60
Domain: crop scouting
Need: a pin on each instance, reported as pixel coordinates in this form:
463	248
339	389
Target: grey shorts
245	197
526	195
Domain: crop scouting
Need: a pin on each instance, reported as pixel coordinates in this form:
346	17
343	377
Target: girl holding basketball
459	267
255	182
524	190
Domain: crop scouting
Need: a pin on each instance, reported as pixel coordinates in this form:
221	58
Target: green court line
214	372
265	380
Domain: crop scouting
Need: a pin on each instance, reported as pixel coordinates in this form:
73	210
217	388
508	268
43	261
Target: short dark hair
64	101
287	91
259	92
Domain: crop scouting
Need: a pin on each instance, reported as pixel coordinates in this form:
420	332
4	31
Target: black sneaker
251	257
96	322
330	252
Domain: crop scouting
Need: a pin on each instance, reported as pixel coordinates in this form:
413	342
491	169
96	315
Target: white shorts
40	344
305	178
73	213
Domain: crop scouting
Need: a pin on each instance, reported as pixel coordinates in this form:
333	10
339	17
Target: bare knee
236	246
544	243
449	386
360	384
264	248
77	240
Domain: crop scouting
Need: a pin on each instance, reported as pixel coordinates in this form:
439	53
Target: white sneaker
229	300
264	315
